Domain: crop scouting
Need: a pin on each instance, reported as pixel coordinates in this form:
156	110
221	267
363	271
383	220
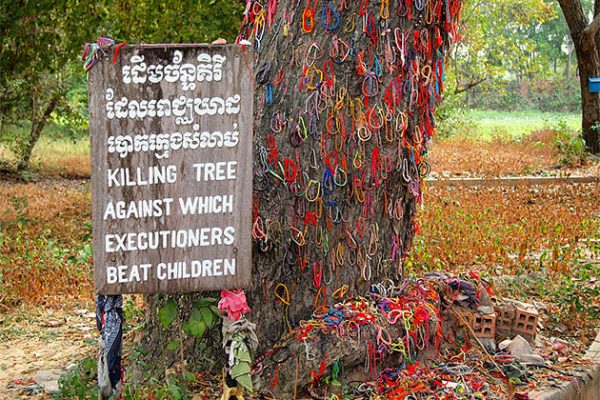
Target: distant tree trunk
568	68
345	98
585	40
37	126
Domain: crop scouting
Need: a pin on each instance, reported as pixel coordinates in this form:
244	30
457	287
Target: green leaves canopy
42	42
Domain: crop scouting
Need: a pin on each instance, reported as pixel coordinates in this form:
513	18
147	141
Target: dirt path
39	340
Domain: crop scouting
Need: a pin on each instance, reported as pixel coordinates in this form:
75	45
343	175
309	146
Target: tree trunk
585	40
590	103
568	67
343	115
37	126
589	67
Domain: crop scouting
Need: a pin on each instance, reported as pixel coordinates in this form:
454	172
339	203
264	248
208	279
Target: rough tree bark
345	93
585	39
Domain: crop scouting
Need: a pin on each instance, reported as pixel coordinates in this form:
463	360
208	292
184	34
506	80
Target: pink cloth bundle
234	304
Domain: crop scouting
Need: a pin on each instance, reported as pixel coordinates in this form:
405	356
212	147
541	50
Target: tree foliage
501	40
177	21
41	79
39	39
42	42
513	40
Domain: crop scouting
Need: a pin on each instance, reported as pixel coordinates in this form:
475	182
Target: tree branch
588	36
470	85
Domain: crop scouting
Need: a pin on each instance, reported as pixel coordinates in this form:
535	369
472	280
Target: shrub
568	145
549	96
453	119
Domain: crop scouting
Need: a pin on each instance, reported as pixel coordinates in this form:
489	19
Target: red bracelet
308	17
290	170
363	7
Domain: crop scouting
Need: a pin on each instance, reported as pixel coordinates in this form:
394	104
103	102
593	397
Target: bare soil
41	339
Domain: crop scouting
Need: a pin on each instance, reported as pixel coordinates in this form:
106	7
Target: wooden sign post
171	130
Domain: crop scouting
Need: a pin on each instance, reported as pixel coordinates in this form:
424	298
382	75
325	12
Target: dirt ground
34	339
41	340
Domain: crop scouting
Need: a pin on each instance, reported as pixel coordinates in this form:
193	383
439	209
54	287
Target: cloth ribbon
109	320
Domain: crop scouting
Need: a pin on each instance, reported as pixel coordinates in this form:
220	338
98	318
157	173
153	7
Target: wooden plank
513	181
171	131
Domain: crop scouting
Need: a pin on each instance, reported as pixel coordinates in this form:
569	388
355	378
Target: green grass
54	144
514	125
55	149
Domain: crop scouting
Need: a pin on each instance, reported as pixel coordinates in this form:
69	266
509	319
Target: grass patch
52	156
63	157
467	157
57	152
514	125
51	149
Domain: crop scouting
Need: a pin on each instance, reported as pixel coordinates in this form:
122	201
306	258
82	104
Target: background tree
585	39
177	21
41	79
554	43
515	56
42	43
39	38
500	41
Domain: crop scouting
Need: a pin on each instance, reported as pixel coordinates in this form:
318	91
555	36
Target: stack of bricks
516	318
508	319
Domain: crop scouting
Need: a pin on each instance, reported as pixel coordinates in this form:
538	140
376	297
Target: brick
506	314
466	316
484	325
526	322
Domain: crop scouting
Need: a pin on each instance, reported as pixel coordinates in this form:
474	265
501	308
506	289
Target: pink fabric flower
234	304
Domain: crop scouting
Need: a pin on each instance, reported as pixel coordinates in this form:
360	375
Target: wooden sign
171	129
